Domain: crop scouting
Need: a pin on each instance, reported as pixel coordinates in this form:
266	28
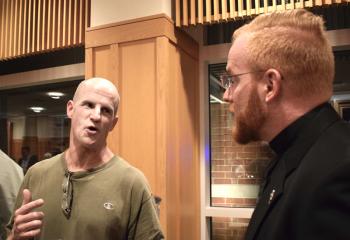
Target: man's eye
106	110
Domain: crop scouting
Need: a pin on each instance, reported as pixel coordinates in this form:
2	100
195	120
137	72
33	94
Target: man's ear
115	120
273	81
70	106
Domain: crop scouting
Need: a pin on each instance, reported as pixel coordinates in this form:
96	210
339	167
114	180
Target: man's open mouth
92	129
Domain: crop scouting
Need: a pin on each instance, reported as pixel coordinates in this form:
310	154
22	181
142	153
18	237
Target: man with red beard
279	80
86	192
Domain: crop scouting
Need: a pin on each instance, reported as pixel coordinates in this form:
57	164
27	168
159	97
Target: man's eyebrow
85	101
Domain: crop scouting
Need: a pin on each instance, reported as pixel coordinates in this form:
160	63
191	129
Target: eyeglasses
228	80
67	198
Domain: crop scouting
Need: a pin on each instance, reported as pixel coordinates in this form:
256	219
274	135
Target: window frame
210	55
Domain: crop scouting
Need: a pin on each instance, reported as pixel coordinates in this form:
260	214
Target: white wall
112	11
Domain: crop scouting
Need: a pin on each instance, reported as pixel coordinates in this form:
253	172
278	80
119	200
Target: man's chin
243	136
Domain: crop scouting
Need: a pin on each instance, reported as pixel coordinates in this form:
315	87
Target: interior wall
111	11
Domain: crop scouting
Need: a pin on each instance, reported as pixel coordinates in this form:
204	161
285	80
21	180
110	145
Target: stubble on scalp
98	83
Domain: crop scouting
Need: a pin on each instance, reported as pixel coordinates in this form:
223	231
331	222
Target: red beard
248	122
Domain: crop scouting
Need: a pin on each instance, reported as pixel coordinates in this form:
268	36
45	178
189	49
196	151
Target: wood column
155	67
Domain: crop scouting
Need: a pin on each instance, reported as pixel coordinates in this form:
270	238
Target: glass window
33	121
225	228
236	170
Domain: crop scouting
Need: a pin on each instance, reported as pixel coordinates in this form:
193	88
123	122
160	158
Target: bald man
86	192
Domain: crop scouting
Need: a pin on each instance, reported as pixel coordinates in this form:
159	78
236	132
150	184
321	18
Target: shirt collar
287	136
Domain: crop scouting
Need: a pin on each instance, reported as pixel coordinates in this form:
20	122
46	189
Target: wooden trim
2	30
59	18
43	76
233	12
39	29
216	10
69	27
15	31
284	4
249	7
224	9
80	21
44	27
7	27
138	30
126	22
20	23
162	79
87	10
193	12
292	4
208	11
240	8
29	26
184	13
178	13
196	6
25	29
33	26
11	30
75	16
200	12
64	21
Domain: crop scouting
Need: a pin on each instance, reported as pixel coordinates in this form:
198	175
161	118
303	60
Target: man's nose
96	114
226	95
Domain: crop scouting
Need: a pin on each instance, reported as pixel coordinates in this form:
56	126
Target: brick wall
228	228
233	164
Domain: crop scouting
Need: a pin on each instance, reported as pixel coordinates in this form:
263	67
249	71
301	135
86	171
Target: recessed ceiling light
55	95
37	109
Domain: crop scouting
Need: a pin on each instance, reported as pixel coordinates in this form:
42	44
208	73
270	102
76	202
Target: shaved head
98	83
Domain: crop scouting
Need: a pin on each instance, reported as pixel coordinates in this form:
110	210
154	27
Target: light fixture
55	95
37	109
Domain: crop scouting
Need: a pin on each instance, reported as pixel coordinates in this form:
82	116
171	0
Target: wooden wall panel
162	109
101	58
188	147
173	177
184	158
138	108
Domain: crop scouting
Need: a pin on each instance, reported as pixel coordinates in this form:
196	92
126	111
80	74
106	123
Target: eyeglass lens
226	81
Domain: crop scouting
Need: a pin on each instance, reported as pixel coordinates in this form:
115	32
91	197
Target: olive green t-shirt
112	201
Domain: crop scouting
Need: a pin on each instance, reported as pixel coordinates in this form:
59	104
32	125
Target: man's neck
82	159
282	116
